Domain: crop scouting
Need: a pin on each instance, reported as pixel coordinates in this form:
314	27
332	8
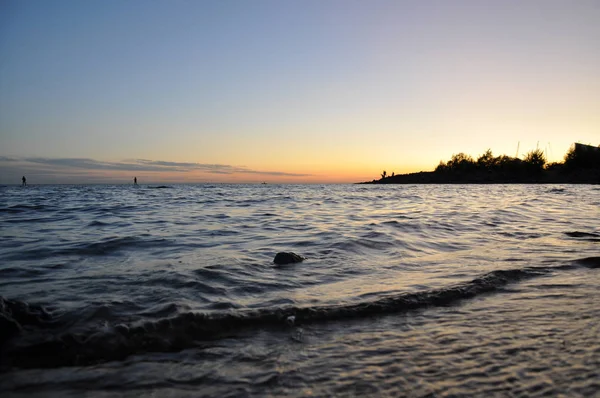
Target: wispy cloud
72	166
7	159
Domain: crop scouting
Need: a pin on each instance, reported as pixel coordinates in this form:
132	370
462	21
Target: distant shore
581	166
546	177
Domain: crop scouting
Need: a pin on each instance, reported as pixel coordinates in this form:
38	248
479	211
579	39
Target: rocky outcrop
287	258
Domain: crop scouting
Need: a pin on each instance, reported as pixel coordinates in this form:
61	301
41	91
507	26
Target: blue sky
290	91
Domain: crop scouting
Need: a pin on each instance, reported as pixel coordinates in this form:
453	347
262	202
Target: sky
312	91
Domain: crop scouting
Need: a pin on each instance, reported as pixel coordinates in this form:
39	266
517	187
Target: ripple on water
440	290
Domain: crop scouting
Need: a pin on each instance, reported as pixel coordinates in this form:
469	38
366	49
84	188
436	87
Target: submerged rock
287	258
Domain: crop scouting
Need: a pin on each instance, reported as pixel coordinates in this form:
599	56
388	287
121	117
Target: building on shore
587	148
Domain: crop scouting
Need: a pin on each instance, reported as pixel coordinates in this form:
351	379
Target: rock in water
287	258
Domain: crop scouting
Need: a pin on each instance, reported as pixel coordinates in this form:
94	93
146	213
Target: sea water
422	290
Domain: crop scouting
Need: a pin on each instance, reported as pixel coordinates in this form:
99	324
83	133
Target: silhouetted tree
534	167
508	165
486	160
570	156
441	168
461	162
535	160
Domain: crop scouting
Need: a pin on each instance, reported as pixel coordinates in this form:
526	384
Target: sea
405	290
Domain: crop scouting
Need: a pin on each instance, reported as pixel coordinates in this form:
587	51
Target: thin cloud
140	165
217	168
91	164
276	173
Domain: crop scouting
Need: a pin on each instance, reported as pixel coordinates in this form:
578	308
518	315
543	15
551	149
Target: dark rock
287	258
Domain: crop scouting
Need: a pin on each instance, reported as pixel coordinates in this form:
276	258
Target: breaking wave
30	338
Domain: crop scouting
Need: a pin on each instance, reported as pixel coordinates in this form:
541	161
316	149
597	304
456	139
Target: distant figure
24	181
134	180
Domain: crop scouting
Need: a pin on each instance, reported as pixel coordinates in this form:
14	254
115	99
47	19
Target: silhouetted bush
461	162
555	166
535	160
508	164
441	168
534	168
486	161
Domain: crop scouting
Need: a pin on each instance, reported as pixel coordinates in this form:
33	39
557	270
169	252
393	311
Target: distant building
585	148
583	157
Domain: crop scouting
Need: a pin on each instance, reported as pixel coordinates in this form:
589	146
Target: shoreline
591	177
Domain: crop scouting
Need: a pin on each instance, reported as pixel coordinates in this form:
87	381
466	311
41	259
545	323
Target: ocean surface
425	290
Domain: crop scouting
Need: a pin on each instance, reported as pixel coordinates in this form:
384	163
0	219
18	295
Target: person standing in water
24	181
134	180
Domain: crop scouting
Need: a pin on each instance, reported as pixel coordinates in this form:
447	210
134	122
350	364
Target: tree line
535	161
533	166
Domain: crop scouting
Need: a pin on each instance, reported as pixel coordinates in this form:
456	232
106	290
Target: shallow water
406	290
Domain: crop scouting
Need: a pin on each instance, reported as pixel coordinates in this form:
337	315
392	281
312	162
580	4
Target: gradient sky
288	91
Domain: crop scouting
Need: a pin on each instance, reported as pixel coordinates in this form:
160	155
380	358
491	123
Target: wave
105	247
16	315
577	234
188	329
23	208
98	224
584	236
33	337
589	262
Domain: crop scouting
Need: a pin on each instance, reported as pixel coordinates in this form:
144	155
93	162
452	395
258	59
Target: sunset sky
288	91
